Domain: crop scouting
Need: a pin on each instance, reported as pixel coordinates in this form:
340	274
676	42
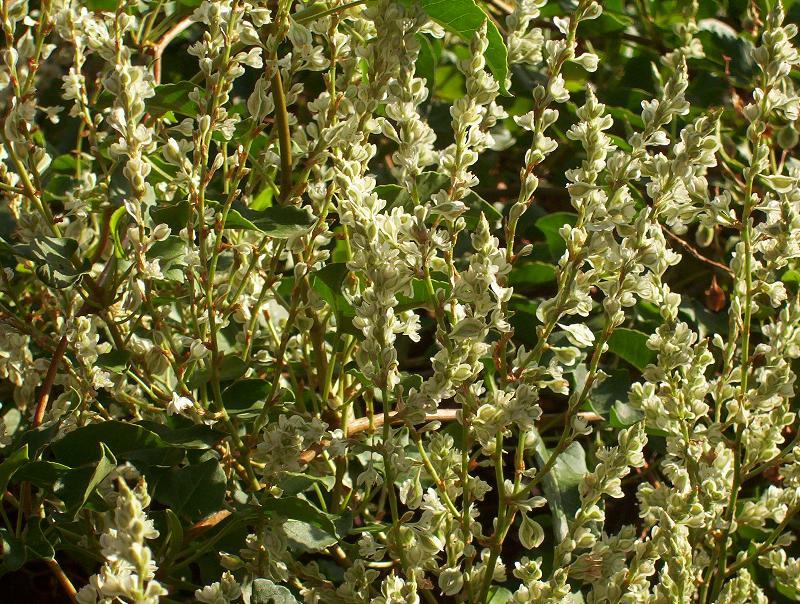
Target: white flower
179	404
101	379
224	591
128	573
578	334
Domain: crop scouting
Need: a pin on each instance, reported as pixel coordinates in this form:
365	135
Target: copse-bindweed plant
399	301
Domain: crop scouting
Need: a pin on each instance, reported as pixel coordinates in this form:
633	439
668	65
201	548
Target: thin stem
744	374
49	380
66	584
689	248
773	536
501	526
165	41
284	136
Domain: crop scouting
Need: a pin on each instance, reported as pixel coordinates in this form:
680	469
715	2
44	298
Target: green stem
502	525
773	536
730	511
284	136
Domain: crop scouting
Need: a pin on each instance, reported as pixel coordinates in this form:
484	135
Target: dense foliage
391	301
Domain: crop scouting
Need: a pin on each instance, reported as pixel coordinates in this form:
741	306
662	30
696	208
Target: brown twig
362	423
688	247
166	40
49	380
61	349
66	584
38	418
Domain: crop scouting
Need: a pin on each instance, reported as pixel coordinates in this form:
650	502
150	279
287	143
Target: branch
61	349
688	247
284	136
49	380
776	532
362	424
69	588
165	41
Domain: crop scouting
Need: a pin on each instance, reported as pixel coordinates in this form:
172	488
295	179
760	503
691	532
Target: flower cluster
383	302
129	571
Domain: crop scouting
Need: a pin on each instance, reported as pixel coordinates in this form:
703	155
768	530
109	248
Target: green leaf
560	485
64	163
194	490
38	438
14	552
39	548
789	591
115	361
705	322
113	225
279	222
430	51
429	183
170	251
76	486
610	391
719	41
477	205
420	297
623	415
232	368
464	18
123	439
8	255
499	595
174	98
32	545
294	508
175	216
549	225
328	282
43	474
606	24
293	483
11	464
631	345
310	12
267	592
57	188
332	275
52	257
391	192
532	274
263	200
183	433
791	276
625	115
101	5
246	397
174	534
307	537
